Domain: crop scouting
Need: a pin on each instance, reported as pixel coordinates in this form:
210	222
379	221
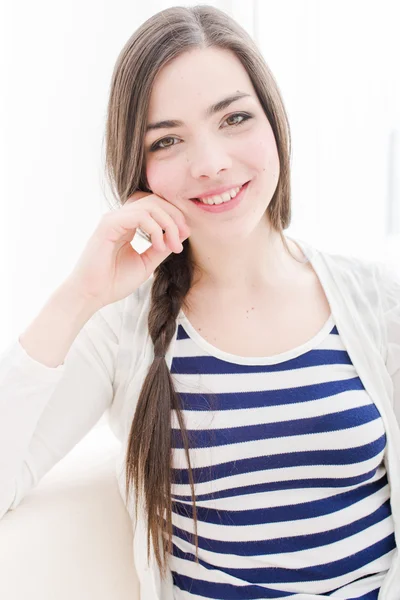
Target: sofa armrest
71	536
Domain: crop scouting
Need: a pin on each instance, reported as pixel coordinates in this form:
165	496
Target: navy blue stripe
243	400
189	365
345	419
271	486
277	514
287	544
274	575
345	456
227	591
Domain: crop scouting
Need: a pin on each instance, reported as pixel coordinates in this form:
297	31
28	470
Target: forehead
196	79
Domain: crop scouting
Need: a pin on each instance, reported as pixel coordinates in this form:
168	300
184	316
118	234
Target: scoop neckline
256	360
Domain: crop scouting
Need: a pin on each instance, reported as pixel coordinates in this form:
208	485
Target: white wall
337	66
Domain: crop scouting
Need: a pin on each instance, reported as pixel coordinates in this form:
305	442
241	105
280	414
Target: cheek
265	158
262	149
162	179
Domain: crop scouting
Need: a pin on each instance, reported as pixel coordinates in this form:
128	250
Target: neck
250	263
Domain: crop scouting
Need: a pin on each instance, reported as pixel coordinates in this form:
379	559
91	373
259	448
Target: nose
208	159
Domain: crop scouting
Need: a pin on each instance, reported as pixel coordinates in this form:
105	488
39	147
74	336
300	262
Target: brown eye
234	117
163	141
158	145
243	116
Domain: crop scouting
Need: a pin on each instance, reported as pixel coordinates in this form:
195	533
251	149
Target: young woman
252	379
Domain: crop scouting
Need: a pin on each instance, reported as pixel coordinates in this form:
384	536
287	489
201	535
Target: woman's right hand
109	268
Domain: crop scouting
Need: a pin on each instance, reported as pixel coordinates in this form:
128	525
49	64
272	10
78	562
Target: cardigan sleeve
388	284
46	411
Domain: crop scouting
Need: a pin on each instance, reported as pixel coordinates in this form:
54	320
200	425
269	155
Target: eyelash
155	147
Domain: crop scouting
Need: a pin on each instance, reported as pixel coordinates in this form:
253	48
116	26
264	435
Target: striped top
291	490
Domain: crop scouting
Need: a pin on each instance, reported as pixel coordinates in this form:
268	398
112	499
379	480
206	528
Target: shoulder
348	264
364	281
388	283
375	280
339	261
341	266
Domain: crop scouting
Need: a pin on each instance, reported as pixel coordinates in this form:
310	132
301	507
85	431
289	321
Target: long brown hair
160	39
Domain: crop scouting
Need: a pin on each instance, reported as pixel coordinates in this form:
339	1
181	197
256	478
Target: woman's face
226	147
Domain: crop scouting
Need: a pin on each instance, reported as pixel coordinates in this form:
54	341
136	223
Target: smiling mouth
220	198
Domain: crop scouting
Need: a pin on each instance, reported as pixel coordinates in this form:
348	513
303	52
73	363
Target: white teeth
225	197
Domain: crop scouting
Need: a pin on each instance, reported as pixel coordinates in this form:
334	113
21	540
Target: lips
222	207
218	191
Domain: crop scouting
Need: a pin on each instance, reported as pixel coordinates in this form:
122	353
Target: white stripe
191	569
236	383
271	475
287	528
298	560
272	498
364	585
331	440
315	587
223	419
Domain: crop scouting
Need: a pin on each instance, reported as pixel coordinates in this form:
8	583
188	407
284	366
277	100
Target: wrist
69	297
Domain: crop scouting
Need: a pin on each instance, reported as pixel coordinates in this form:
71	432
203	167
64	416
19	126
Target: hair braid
152	420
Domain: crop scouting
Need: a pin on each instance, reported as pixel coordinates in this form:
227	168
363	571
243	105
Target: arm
50	336
54	390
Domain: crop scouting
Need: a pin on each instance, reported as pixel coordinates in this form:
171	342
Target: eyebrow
214	108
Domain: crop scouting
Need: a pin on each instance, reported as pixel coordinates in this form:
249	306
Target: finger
172	234
122	225
176	214
169	236
152	258
153	229
178	217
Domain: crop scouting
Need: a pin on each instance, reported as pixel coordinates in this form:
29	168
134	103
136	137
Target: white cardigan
45	412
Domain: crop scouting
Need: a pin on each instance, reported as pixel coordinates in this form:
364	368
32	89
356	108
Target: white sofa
71	537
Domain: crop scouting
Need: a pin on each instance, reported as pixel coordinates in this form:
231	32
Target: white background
336	63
